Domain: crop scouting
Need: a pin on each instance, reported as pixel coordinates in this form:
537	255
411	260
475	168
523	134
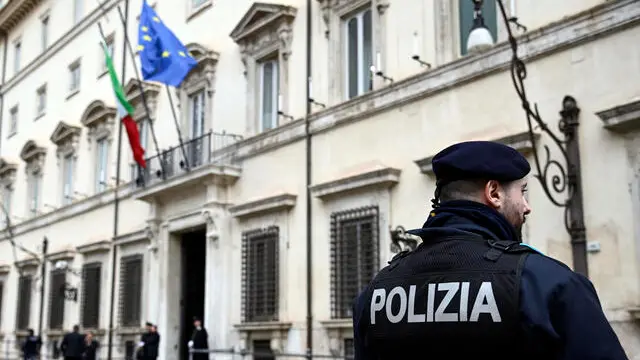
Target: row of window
74	73
130	296
354	262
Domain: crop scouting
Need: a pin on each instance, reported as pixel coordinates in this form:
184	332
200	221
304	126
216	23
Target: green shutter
490	14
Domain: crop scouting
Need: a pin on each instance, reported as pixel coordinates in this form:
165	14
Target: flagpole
144	100
116	201
175	120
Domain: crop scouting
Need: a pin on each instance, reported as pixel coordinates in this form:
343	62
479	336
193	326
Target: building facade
216	225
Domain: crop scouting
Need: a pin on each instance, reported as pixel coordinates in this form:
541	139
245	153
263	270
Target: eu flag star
158	49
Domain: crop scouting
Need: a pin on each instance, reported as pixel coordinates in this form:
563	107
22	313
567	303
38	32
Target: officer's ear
493	194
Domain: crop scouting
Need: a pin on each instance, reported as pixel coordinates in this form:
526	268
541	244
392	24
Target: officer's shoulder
547	270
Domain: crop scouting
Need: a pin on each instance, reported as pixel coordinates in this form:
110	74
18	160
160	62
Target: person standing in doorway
90	347
199	340
150	342
72	346
31	346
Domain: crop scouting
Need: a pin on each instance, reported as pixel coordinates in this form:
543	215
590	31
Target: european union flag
163	57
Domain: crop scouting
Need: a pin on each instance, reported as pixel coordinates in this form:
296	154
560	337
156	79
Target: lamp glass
480	38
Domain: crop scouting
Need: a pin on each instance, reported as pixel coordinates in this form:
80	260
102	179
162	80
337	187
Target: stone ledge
519	141
94	248
55	332
622	118
337	323
28	263
61	255
381	178
278	202
635	313
134	237
263	326
124	331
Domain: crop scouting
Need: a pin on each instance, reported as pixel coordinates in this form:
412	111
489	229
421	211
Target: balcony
198	160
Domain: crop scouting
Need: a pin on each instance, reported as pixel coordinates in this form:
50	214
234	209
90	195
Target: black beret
149	324
479	160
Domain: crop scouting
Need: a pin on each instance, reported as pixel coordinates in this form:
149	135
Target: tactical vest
452	298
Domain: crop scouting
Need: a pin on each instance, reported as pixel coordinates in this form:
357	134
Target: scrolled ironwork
553	183
401	241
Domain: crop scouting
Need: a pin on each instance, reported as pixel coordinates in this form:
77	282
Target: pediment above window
379	176
621	119
134	91
97	114
65	137
7	170
264	25
204	71
33	154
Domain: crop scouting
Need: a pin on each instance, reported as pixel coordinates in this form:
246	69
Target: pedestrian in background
90	347
31	346
72	345
199	340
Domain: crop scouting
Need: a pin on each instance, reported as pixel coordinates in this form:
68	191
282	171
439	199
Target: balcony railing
208	149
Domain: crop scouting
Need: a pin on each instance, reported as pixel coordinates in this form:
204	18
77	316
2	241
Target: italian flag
125	112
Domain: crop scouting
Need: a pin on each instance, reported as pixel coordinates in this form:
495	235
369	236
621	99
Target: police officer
471	290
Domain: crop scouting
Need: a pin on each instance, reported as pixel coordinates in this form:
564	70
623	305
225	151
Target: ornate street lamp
566	178
480	37
69	291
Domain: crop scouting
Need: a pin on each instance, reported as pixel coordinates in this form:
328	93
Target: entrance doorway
193	247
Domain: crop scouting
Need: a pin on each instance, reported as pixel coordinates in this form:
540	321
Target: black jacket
72	345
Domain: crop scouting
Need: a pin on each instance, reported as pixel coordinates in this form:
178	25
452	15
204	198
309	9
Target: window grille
24	302
354	256
90	303
260	274
131	290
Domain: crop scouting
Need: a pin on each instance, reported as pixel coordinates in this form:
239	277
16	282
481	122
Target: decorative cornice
97	112
622	118
27	263
587	26
64	133
61	255
5	269
31	150
380	178
7	169
135	237
133	93
94	248
14	12
520	142
278	202
259	18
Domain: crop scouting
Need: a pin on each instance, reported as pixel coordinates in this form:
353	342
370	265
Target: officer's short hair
465	189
